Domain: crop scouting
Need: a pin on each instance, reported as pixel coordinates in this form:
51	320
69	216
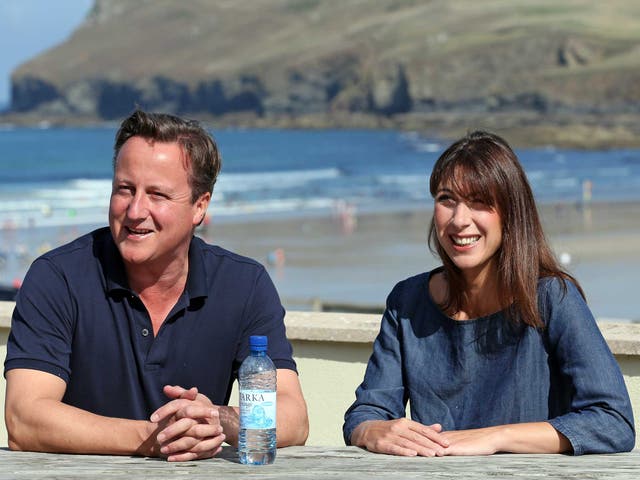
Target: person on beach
128	339
496	350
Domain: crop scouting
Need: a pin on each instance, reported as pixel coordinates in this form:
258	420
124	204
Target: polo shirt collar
114	271
116	275
197	277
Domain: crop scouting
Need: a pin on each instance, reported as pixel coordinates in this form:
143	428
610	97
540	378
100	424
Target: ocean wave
564	183
428	147
38	215
240	182
283	205
614	172
419	144
91	184
408	180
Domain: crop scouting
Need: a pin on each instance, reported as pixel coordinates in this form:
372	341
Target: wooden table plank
323	463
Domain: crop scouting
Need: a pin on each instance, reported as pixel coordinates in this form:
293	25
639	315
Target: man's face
150	214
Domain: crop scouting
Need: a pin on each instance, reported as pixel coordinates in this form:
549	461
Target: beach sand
600	243
323	258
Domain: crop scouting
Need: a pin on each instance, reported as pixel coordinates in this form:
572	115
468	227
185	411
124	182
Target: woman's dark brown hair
482	166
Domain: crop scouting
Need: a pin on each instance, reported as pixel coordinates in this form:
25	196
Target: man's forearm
51	426
292	421
292	425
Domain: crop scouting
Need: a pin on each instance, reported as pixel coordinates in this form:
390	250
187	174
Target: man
127	340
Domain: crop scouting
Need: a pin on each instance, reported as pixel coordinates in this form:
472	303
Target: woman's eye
444	199
479	204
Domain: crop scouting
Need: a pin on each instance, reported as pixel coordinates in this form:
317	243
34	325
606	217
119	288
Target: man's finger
168	409
175	430
194	444
199	412
176	391
187	456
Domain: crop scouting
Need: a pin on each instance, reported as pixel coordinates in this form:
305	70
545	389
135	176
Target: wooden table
321	463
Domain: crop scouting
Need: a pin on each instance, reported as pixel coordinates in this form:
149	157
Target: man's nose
138	207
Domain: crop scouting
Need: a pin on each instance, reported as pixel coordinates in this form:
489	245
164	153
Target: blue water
61	176
55	185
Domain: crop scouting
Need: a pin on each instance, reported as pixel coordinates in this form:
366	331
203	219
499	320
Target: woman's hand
480	441
400	437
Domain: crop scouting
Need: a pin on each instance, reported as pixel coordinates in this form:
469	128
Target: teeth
138	232
462	241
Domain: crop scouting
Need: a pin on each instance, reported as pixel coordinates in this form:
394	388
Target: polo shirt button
145	332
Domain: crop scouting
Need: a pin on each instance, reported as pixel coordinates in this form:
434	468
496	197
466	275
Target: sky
29	27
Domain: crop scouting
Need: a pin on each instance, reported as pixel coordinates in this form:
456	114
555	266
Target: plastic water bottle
257	379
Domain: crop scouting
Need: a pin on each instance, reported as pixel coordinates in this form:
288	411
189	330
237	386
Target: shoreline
561	216
522	129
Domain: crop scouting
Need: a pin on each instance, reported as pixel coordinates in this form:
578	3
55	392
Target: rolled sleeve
600	419
381	396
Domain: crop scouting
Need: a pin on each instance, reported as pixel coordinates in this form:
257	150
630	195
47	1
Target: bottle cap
258	342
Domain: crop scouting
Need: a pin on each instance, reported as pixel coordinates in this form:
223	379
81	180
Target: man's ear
201	204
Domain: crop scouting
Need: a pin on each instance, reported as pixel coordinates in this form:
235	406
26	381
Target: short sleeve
42	324
381	395
264	315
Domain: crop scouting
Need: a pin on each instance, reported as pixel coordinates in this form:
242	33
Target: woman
496	350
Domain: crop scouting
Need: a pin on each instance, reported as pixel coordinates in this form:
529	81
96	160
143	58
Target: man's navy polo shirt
76	318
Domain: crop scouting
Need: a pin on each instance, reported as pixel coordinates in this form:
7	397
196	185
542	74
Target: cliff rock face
298	57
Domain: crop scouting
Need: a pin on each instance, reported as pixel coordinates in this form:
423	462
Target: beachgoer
495	351
587	218
587	188
277	257
346	214
128	339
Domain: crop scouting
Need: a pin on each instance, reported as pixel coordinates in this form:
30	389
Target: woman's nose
461	215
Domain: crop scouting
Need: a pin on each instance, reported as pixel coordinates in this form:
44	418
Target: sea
60	178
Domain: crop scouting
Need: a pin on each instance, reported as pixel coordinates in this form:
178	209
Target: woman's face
469	231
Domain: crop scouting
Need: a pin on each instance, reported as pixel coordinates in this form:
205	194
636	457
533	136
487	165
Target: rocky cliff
381	58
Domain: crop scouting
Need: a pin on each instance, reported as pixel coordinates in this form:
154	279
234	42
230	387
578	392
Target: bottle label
257	409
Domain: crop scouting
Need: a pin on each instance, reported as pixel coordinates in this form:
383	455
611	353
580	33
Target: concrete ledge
332	327
6	309
623	338
332	349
